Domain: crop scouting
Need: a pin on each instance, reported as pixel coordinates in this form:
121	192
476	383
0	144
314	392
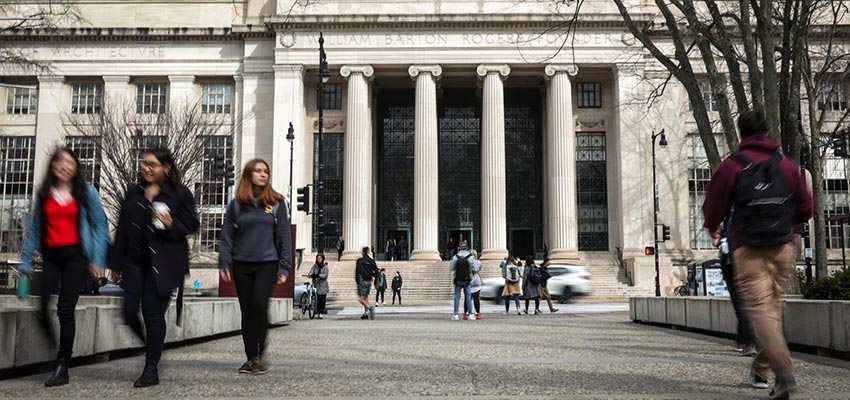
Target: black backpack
536	277
462	270
763	207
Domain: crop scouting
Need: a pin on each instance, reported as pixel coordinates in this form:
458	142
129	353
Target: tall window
17	156
151	98
837	198
86	98
333	97
592	191
215	98
21	100
589	94
707	95
332	152
211	192
833	96
88	151
699	174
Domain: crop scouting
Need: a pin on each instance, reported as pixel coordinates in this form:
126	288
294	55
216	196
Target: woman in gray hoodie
319	275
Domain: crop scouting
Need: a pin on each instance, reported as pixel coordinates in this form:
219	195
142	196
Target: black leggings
476	301
65	266
536	303
321	300
254	284
397	292
379	293
154	307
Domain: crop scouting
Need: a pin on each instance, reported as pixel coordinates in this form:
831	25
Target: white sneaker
384	303
455	317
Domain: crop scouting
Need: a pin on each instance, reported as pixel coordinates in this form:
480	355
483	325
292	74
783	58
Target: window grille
151	98
17	156
86	98
589	94
216	98
21	100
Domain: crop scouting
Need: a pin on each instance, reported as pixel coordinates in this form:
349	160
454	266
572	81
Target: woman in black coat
397	282
151	254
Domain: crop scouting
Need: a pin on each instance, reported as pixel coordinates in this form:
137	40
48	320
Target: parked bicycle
308	300
683	289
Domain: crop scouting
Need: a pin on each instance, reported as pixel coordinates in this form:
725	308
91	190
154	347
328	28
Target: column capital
366	70
125	79
180	78
51	79
288	70
502	69
552	69
238	79
434	69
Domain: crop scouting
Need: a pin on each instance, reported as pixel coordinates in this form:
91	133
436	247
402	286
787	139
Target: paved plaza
586	351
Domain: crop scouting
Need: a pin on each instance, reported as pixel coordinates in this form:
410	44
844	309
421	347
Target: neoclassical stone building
471	120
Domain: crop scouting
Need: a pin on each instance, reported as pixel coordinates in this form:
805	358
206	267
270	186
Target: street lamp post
662	143
324	76
290	137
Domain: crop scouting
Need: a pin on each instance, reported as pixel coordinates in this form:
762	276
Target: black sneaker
247	367
260	366
758	382
782	390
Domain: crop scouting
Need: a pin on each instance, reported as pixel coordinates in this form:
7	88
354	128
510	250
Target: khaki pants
762	274
545	292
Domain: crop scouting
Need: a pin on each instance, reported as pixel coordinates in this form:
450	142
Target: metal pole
291	146
806	233
320	190
655	221
843	244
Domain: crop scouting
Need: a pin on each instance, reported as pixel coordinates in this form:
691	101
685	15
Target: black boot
150	376
60	374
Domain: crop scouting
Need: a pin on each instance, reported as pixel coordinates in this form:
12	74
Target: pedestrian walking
254	253
68	227
381	287
364	273
533	278
390	248
450	249
462	265
512	274
396	286
340	247
151	254
475	288
319	275
544	291
766	197
402	249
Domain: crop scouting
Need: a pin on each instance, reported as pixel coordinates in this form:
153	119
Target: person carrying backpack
512	274
766	197
462	265
533	278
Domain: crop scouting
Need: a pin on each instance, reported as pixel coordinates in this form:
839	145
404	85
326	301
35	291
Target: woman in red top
68	227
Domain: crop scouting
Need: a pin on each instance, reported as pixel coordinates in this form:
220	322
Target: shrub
835	287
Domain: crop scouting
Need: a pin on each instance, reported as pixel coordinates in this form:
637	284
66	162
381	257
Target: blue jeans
466	293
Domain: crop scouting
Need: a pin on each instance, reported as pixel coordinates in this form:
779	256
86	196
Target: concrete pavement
572	354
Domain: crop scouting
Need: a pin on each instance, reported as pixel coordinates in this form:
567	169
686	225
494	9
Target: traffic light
665	233
649	250
304	199
217	166
839	144
229	175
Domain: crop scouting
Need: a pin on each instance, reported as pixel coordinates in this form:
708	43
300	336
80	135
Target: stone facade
267	51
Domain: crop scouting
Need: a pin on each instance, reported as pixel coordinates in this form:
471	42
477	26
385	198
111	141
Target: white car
567	281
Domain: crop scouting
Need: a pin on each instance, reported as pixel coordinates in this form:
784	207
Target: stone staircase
432	280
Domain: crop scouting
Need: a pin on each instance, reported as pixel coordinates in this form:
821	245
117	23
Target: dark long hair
78	182
164	157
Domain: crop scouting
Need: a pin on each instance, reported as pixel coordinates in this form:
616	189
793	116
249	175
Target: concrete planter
817	323
101	329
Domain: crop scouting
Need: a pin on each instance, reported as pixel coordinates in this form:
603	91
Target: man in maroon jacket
761	271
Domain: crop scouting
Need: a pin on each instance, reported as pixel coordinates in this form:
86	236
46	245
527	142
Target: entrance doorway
401	238
522	243
459	236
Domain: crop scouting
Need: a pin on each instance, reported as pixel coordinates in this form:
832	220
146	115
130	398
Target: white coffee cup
159	209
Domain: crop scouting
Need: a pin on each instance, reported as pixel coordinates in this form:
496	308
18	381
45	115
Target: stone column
48	125
288	106
493	208
561	225
357	183
426	217
181	91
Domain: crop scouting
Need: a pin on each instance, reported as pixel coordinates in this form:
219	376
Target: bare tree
122	133
26	18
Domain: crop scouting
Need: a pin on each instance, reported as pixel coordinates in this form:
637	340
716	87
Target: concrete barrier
820	324
101	329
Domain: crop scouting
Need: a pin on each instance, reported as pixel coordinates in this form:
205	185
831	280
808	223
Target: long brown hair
245	190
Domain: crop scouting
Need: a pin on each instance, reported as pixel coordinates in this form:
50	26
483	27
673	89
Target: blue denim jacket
94	235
